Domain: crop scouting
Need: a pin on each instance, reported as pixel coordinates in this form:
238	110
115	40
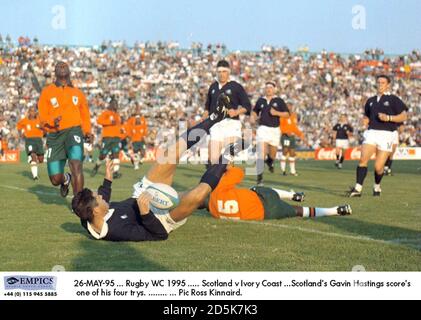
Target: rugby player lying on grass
228	201
135	219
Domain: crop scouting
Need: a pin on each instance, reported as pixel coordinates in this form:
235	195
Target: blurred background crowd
170	83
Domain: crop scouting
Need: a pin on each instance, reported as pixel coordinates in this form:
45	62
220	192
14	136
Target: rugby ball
164	197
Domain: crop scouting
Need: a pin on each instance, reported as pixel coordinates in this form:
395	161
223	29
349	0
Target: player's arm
282	110
85	116
105	189
207	104
245	104
44	111
400	109
350	132
105	120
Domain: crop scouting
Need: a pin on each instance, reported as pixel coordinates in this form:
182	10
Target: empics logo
30	283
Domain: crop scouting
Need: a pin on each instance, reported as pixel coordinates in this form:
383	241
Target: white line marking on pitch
338	235
410	242
30	191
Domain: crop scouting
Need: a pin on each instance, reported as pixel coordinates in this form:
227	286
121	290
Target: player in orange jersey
289	130
64	113
138	131
110	121
30	127
228	201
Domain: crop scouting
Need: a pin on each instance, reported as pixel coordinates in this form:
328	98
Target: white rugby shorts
269	135
382	139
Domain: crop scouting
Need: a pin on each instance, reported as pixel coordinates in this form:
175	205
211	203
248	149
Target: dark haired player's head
32	113
224	71
88	204
270	88
383	84
113	105
62	73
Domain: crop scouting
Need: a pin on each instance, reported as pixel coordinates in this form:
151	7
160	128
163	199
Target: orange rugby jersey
229	202
108	129
139	130
124	131
67	102
289	126
30	128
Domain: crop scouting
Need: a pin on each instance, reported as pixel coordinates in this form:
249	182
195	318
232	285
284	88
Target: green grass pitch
38	231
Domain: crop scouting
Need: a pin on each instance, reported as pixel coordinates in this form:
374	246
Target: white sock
319	212
377	188
292	165
283	163
116	165
358	187
284	194
34	169
66	178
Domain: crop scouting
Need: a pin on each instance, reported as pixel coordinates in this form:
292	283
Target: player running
230	129
228	201
342	132
269	110
138	130
110	121
289	130
30	127
64	113
384	113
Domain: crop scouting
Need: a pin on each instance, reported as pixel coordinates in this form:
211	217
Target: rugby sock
283	163
269	161
116	165
310	212
98	163
361	175
66	179
34	169
292	165
377	188
342	160
337	158
288	195
378	178
215	172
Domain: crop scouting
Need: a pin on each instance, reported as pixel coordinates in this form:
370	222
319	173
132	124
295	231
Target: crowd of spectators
170	83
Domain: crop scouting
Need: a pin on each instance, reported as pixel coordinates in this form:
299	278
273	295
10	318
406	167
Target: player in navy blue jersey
383	113
341	134
230	129
268	110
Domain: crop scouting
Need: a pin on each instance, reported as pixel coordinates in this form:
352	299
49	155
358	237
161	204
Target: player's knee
56	180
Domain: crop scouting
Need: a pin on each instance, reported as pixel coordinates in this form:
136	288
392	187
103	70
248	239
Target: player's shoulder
78	91
49	88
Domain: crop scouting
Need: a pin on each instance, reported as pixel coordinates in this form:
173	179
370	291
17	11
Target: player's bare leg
366	153
116	159
389	162
292	162
190	202
339	157
381	158
78	180
34	166
284	158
